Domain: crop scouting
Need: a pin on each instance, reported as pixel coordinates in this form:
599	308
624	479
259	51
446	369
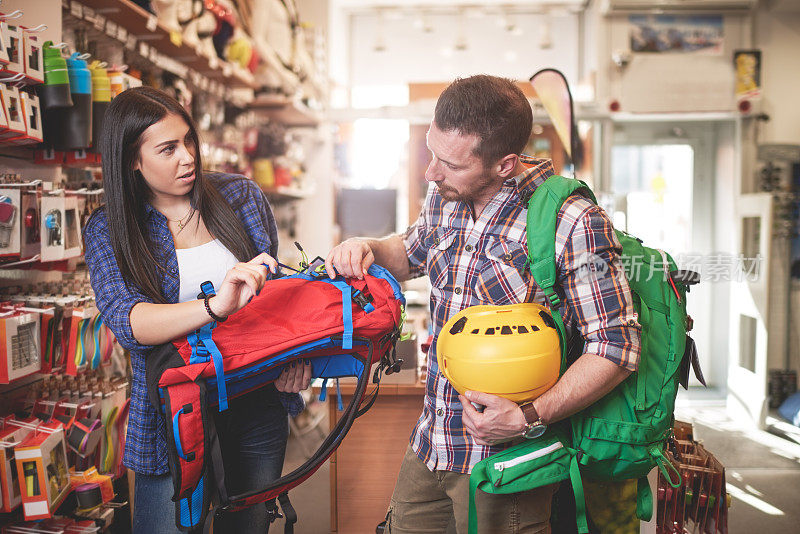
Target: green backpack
622	436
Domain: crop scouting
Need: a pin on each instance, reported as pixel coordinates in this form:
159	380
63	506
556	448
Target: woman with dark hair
166	227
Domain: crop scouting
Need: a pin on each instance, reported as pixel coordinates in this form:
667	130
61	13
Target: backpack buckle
272	511
361	299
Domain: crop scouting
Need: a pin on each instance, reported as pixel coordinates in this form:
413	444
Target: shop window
653	193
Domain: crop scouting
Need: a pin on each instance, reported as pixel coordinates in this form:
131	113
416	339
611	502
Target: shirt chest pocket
440	251
503	277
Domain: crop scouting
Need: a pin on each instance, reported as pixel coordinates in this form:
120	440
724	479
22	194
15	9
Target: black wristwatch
534	426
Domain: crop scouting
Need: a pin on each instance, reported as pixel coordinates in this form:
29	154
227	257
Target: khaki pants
426	502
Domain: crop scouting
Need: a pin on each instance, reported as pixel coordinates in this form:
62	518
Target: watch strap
530	413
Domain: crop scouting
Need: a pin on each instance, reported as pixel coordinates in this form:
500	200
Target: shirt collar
538	170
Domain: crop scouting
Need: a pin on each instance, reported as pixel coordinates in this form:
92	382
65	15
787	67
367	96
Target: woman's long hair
126	192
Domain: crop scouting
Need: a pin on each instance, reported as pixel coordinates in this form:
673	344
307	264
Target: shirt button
440	412
468	248
507	257
436	241
457	291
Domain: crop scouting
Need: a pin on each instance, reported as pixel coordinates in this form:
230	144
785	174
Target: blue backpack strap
381	272
323	390
204	335
347	312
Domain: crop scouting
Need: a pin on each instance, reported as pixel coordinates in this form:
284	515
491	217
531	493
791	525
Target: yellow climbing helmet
511	351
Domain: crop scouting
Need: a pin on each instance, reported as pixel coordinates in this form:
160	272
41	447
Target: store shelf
17	152
283	194
145	27
286	111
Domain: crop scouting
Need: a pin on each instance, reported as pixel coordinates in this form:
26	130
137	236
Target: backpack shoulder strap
543	208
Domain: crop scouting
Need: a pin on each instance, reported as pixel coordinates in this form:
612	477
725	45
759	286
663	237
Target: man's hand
296	376
501	420
350	259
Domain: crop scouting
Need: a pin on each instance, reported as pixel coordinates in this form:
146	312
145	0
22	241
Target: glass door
662	192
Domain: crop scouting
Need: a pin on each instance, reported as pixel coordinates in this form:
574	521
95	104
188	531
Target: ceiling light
379	45
545	39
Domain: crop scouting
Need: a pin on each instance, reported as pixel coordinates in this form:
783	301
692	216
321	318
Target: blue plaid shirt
145	446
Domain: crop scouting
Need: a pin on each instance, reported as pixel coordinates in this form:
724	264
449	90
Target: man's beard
451	194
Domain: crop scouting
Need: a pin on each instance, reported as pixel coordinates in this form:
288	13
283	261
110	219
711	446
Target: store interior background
676	163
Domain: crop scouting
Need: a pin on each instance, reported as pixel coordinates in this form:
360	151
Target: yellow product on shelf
263	172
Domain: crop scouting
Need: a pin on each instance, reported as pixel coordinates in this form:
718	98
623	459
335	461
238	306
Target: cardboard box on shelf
42	471
13	47
60	228
20	353
32	119
32	60
11	435
14	116
10	223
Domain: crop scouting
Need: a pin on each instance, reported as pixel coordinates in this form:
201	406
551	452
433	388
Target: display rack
286	194
287	111
138	29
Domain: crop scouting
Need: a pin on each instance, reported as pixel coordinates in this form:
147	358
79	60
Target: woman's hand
241	284
296	376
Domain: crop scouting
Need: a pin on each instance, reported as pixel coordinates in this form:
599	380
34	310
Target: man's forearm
585	382
390	253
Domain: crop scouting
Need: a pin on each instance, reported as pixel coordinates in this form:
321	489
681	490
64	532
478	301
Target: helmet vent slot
522	330
489	331
476	331
458	327
534	328
548	320
506	331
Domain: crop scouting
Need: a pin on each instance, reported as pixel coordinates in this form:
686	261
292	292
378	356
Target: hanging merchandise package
33	66
11	435
3	51
101	98
42	471
9	224
70	128
54	93
31	118
20	353
12	105
12	43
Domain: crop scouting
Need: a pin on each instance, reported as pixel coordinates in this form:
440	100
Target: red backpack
343	326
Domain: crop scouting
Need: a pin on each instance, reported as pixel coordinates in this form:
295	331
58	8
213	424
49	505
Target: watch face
535	431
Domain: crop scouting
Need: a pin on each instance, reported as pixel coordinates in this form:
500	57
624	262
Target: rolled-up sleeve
113	296
598	299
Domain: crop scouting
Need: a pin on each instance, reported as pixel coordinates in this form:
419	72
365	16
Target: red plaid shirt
484	262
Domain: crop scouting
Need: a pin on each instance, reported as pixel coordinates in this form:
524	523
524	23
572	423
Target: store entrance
662	192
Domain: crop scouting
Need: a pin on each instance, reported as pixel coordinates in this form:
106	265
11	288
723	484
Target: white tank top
209	261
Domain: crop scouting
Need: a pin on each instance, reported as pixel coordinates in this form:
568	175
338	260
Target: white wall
37	12
668	82
315	229
777	34
412	55
778	37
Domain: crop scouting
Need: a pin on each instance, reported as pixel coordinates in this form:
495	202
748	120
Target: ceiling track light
380	44
461	40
